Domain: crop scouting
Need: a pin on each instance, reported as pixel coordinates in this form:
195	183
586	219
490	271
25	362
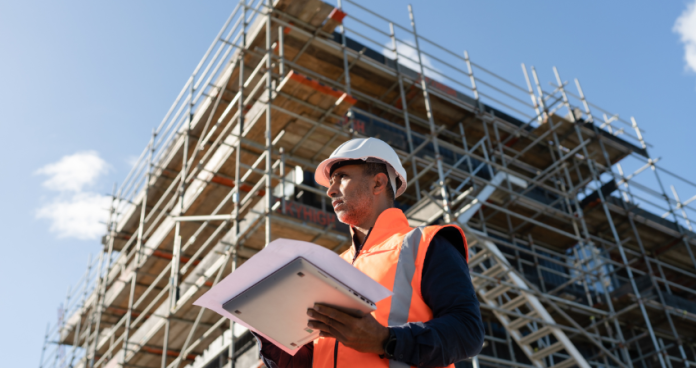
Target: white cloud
685	26
71	173
80	215
75	212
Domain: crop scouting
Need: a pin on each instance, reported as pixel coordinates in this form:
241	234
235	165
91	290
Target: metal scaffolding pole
269	139
231	349
404	108
431	121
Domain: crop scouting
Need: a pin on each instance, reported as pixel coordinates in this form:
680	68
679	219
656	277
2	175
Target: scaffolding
581	247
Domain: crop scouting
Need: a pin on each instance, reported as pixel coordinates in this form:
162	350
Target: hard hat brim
322	174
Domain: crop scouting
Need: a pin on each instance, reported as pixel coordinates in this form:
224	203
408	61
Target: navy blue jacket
455	332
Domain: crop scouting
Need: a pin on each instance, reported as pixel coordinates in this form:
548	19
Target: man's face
350	194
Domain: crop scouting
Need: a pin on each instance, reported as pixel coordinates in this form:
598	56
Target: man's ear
381	181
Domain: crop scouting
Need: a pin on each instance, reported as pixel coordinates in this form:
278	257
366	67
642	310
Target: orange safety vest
393	255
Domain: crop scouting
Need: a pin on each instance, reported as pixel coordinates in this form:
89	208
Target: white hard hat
369	150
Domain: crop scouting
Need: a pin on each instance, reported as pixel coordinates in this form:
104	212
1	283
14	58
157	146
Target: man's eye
336	177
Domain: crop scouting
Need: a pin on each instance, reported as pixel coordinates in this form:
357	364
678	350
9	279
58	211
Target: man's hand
363	334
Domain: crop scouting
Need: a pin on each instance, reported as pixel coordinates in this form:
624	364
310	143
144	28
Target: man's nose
332	191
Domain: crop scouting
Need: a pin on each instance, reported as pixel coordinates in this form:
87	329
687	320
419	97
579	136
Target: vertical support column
163	364
473	81
240	123
468	155
174	271
83	310
61	326
269	146
346	69
143	205
176	252
431	121
281	51
139	245
282	178
128	318
540	275
488	142
404	109
104	280
91	318
540	118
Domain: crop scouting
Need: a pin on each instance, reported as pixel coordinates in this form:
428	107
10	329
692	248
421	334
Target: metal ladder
532	327
503	290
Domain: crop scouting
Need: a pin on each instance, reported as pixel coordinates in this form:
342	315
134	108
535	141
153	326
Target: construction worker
433	318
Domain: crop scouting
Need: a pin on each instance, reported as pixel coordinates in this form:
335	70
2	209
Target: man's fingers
320	317
327	319
317	325
321	326
334	314
326	330
332	322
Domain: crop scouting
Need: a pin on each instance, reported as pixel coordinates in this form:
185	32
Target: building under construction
582	252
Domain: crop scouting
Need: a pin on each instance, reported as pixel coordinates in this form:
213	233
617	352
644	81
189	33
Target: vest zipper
336	354
354	258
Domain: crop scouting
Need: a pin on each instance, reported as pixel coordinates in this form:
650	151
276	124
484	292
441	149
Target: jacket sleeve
456	330
274	357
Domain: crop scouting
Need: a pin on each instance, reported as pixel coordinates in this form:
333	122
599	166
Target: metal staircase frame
514	301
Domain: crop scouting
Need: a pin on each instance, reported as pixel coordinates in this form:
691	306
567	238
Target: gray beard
358	210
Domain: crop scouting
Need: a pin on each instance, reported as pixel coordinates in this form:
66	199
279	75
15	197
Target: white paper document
276	255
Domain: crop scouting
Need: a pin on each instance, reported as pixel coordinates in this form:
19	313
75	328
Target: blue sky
85	82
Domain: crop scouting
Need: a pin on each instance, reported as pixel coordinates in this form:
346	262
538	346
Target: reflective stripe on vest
403	289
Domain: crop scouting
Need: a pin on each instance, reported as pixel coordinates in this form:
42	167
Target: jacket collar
389	222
